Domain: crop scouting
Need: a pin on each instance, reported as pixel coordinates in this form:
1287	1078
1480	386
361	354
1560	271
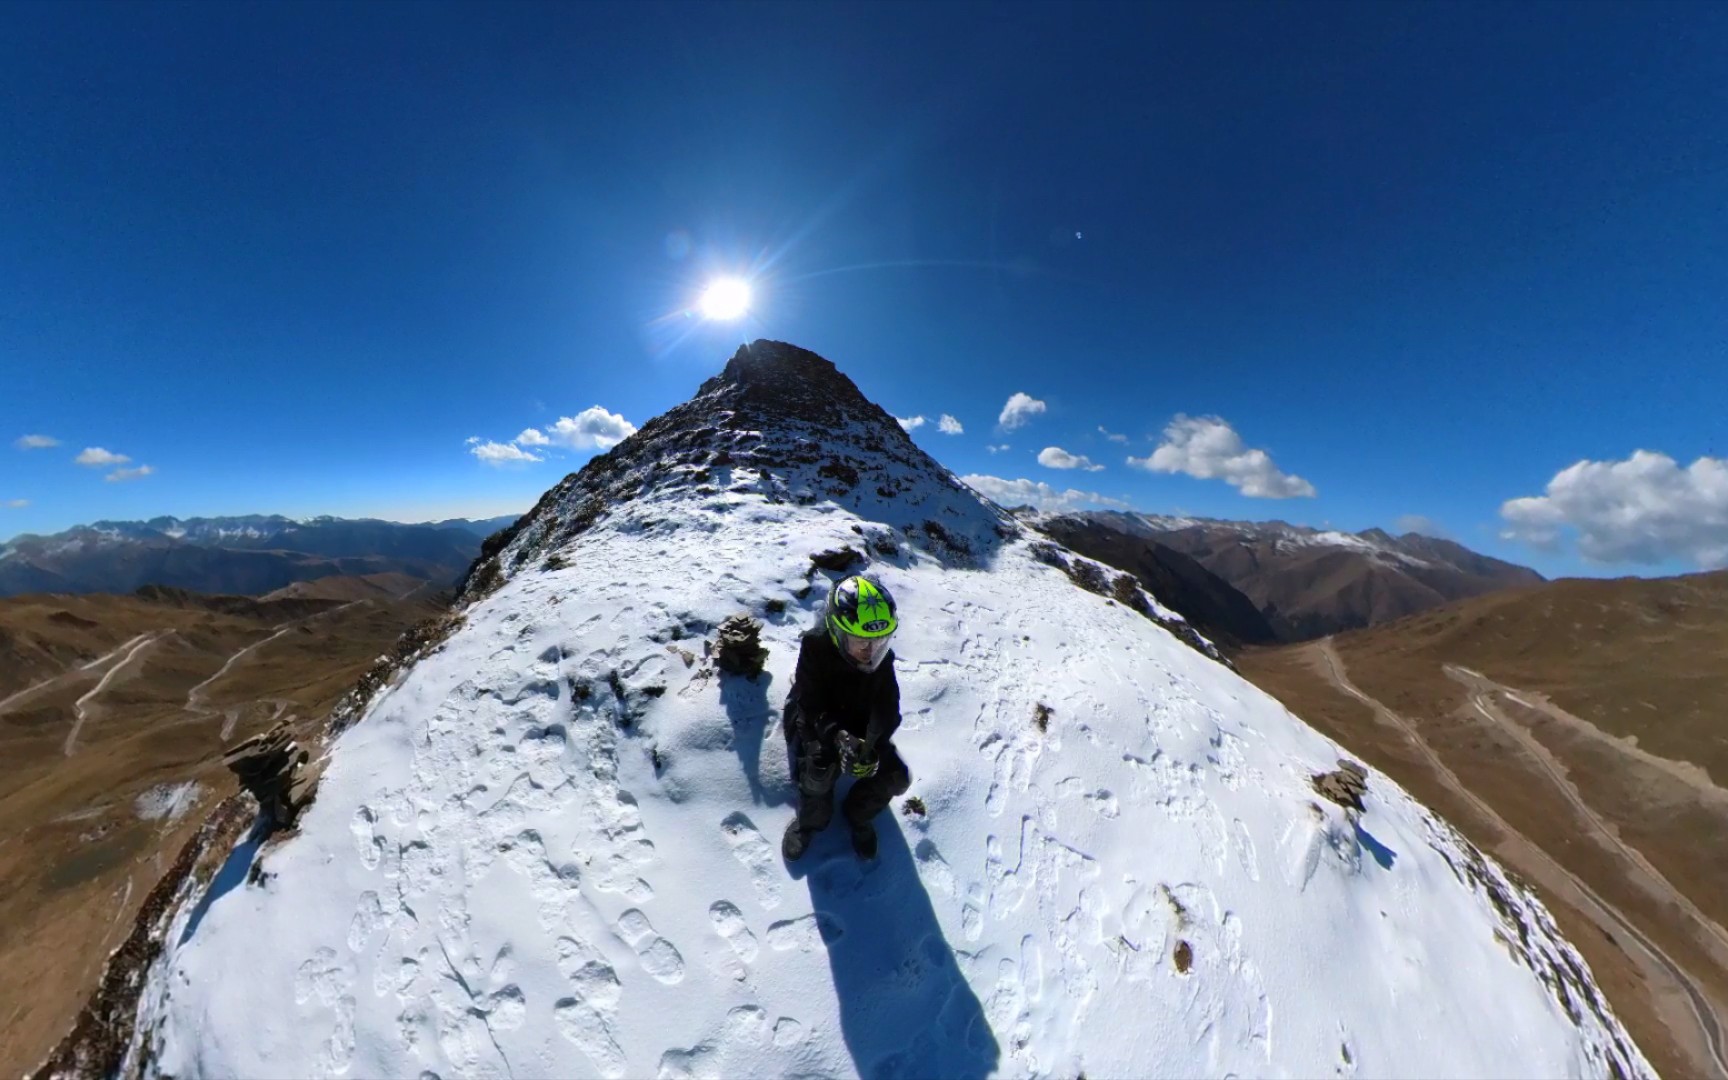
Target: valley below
114	713
1575	732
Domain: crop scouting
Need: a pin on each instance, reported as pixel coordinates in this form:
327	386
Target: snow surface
552	849
166	801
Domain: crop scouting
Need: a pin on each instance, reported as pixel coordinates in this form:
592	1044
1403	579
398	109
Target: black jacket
828	692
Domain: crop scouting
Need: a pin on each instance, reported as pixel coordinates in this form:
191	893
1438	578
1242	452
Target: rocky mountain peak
774	379
780	422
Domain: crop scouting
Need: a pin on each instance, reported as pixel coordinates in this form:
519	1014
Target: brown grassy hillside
1579	730
113	714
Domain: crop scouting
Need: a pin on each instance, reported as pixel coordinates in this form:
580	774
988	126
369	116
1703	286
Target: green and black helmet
861	620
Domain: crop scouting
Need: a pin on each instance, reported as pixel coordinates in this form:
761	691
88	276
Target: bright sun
726	299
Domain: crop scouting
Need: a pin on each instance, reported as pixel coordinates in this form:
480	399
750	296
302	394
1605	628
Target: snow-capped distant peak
551	847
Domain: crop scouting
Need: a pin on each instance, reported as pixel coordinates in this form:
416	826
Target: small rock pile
838	560
741	651
1344	785
270	766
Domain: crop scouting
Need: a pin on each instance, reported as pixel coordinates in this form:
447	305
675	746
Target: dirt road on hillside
1481	690
1668	980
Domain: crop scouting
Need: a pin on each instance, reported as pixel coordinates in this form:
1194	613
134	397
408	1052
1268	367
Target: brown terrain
1578	730
114	711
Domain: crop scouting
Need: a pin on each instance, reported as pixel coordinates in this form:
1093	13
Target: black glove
856	756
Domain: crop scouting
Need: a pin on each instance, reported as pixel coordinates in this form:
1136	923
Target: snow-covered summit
778	425
549	848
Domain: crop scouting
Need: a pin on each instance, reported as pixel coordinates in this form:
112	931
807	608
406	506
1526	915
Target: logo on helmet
875	626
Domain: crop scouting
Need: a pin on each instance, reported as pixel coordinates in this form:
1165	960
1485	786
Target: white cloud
97	458
998	448
948	425
1036	493
1207	448
910	423
532	437
36	442
591	429
1054	457
1646	509
470	440
120	476
1019	409
18	504
1422	525
497	454
1112	436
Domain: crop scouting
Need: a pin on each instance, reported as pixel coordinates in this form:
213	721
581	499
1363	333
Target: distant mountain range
247	555
1304	583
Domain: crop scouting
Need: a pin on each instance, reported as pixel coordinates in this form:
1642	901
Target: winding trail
67	675
1544	867
195	696
81	706
1481	698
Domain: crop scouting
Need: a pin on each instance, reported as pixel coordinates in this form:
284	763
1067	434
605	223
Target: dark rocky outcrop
1344	785
269	765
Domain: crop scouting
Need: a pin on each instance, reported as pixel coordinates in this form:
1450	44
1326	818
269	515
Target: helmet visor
864	653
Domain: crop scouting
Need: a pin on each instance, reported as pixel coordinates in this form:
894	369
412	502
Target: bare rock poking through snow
549	845
268	765
1345	785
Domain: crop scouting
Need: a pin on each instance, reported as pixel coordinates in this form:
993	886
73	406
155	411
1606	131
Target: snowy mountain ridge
550	847
250	530
1377	543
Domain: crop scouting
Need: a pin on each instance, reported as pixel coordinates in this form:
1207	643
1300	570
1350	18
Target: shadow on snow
230	877
906	1009
1383	855
746	702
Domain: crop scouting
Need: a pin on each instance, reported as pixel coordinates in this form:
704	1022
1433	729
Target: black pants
816	769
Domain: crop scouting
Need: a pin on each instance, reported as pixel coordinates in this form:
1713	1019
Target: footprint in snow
729	924
368	918
805	932
753	850
746	1029
658	956
938	877
585	1017
366	841
972	915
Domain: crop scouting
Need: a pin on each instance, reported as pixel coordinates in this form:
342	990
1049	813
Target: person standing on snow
841	714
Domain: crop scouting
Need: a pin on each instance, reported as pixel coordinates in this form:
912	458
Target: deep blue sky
292	256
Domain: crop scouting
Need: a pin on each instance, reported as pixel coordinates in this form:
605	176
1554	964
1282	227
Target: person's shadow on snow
906	1009
746	703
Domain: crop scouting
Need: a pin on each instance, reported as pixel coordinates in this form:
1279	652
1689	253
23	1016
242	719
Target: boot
795	842
864	840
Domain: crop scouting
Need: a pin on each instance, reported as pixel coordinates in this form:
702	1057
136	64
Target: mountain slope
1313	582
1212	604
114	711
550	847
244	555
